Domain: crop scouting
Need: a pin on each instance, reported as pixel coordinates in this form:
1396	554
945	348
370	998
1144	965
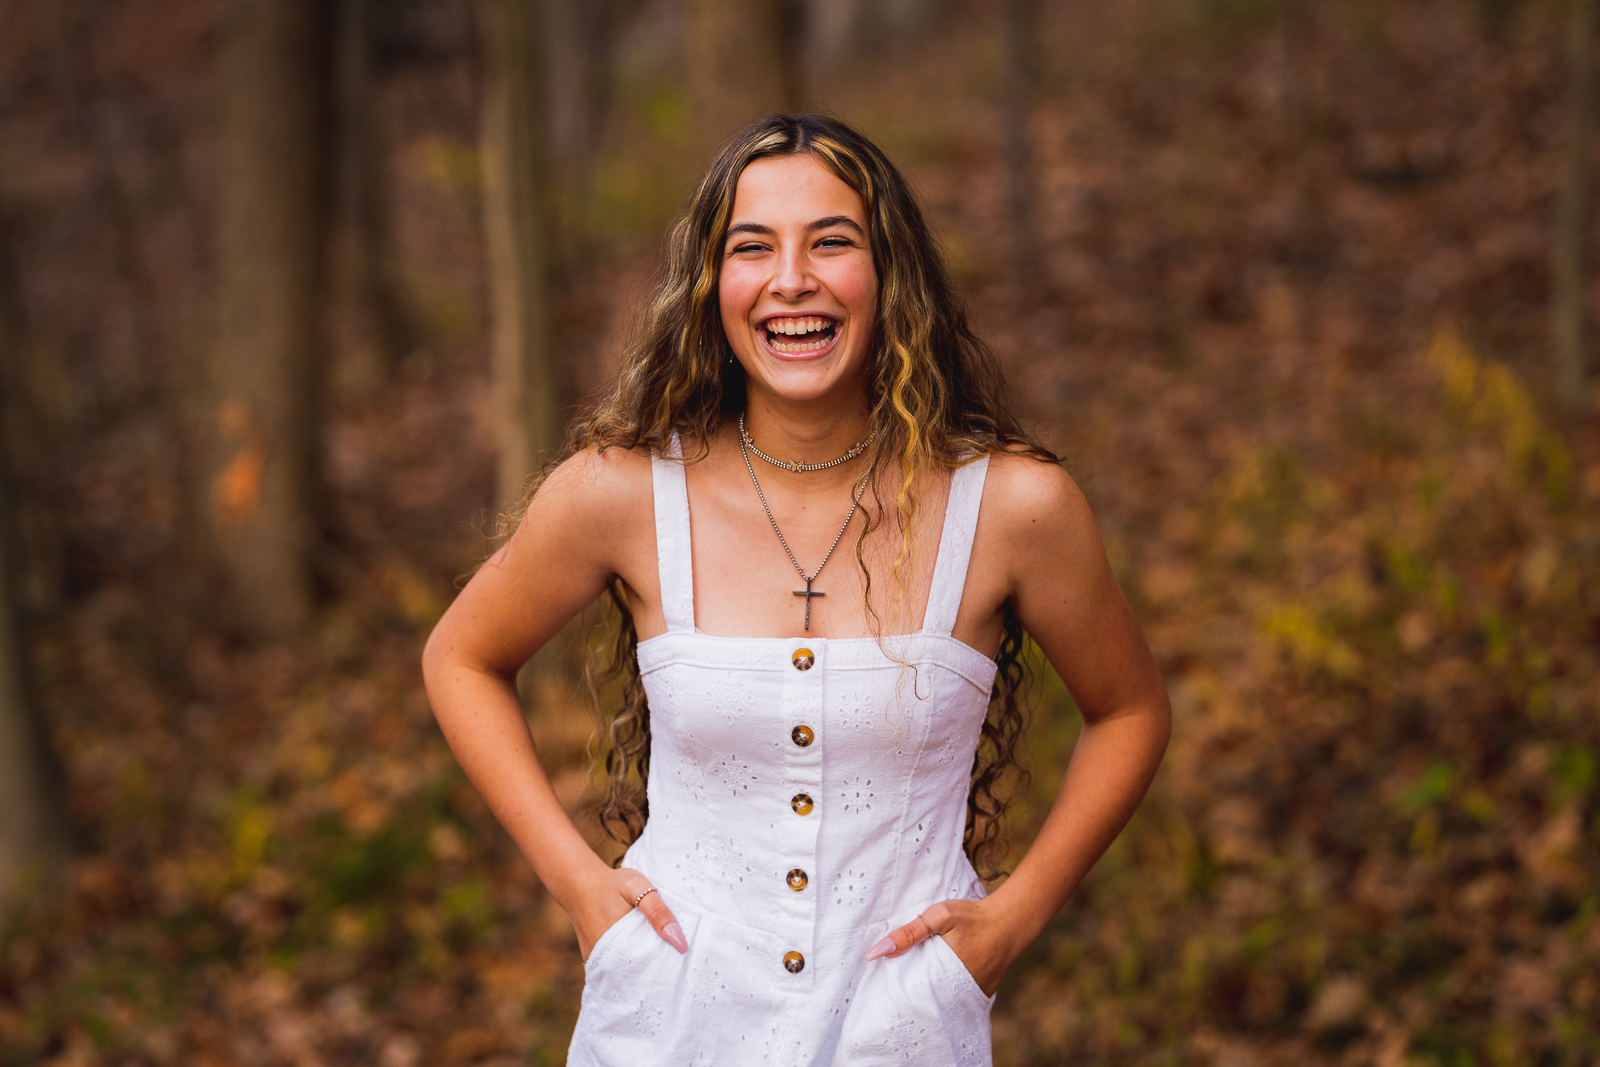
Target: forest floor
1287	324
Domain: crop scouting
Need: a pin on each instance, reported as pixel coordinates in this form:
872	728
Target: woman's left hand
972	930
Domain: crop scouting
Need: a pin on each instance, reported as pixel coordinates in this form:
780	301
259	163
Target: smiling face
798	291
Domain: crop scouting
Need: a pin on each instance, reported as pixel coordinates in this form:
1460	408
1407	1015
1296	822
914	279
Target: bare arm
579	532
1064	594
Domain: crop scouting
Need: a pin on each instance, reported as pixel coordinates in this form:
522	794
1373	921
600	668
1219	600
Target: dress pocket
957	971
920	1007
608	940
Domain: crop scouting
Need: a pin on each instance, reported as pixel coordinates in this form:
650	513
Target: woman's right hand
609	898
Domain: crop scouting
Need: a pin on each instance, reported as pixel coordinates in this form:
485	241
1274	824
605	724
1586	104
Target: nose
793	280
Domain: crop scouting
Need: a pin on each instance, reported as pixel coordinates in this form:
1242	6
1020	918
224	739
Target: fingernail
881	949
674	935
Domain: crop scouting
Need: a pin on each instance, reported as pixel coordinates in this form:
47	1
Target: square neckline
675	563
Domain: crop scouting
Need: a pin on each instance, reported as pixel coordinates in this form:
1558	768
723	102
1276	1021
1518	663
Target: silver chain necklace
855	503
745	440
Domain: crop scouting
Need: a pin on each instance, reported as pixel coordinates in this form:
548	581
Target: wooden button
803	658
797	879
802	736
793	962
801	803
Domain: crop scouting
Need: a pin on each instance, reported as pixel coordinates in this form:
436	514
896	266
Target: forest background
293	294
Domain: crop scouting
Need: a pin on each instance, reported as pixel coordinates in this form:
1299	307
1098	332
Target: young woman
826	533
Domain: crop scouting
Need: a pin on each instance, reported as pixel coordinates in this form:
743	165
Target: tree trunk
744	61
359	274
364	257
34	836
580	46
265	494
518	233
1019	33
840	35
905	21
832	30
1572	218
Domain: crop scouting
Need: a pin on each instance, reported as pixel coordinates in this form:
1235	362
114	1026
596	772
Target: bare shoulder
596	476
596	499
1052	562
1032	502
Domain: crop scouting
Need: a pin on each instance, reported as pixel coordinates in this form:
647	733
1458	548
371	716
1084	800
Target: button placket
793	894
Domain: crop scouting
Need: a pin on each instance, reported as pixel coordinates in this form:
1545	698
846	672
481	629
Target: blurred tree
902	21
1568	304
266	492
34	840
830	27
1497	15
744	60
518	234
580	45
1019	37
362	260
837	31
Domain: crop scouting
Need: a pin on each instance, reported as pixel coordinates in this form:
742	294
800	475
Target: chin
803	383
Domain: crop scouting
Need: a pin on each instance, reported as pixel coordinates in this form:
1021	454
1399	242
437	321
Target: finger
935	920
901	939
655	909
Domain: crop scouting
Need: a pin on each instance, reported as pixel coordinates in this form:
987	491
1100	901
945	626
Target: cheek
860	294
728	305
737	292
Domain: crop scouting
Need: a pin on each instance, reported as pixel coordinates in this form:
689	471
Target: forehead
793	189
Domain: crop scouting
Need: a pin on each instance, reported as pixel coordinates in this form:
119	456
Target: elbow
435	653
1161	722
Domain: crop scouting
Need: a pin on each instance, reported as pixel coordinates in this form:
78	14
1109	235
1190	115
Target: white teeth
800	328
791	327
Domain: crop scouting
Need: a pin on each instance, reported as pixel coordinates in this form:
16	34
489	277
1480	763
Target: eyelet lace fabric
894	732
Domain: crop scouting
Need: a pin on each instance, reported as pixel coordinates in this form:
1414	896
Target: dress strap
674	560
955	546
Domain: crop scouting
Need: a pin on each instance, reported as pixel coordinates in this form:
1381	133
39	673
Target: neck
812	434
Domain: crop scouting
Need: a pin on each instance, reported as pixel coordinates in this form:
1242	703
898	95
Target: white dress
806	797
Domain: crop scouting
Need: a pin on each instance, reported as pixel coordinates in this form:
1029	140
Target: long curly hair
937	399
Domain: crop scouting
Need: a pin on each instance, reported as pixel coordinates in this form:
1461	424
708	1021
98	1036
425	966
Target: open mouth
800	335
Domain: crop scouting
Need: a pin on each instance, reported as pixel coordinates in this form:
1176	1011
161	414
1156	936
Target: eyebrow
820	224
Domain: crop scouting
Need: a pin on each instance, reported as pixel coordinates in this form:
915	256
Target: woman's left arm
1059	583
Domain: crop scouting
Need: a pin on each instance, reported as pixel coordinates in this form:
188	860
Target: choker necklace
745	440
855	503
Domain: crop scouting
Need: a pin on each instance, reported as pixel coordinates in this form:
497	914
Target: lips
795	335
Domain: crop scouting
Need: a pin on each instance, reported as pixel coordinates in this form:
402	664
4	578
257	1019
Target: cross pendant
808	593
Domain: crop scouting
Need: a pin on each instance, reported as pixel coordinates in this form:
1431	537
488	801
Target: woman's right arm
590	521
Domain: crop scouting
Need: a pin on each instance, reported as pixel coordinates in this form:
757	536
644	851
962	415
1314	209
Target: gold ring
641	896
